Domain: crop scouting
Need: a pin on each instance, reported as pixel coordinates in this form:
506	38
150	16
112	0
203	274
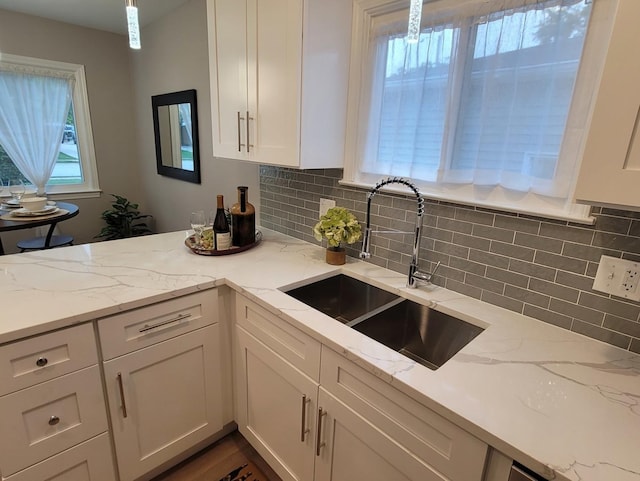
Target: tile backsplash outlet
618	277
539	267
325	205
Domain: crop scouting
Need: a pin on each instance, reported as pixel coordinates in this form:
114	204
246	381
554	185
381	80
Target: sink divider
372	313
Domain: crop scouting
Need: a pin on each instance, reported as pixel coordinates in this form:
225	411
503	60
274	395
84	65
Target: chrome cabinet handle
240	144
249	144
42	361
319	444
147	327
303	423
53	420
122	402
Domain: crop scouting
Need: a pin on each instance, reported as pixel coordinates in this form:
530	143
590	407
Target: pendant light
132	24
415	17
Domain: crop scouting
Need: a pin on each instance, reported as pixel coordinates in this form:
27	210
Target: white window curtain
482	99
33	112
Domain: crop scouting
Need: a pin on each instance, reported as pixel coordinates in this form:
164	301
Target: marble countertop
562	404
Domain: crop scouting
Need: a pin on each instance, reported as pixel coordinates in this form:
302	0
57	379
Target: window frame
368	12
82	117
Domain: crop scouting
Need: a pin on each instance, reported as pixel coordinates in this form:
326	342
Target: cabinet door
274	63
434	440
228	72
164	399
352	448
275	405
610	171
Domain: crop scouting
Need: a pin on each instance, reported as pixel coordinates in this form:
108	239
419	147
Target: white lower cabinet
417	442
276	403
167	397
52	412
349	425
351	447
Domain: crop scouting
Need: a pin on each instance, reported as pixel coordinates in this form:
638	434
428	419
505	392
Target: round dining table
6	225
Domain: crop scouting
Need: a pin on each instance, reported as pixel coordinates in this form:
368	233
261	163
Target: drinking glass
16	189
198	222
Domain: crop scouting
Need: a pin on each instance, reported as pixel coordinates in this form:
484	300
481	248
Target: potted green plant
338	226
122	220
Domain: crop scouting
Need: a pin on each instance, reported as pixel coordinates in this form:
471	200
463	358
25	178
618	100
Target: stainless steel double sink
427	336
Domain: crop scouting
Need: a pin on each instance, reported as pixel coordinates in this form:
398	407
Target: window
25	84
487	108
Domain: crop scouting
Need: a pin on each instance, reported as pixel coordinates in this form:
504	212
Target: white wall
174	57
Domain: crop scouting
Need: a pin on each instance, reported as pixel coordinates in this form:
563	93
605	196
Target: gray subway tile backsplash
539	267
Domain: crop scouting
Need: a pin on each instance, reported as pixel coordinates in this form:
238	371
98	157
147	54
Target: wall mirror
175	124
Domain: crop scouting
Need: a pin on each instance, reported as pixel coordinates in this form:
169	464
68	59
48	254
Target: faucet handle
425	276
433	272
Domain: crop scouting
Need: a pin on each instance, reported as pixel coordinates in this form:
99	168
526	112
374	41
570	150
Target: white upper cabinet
279	76
610	171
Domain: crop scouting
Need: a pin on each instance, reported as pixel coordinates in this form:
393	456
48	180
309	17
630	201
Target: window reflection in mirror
176	135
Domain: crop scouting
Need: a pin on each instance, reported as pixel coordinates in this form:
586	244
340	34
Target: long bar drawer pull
181	317
122	402
42	362
319	443
303	423
53	420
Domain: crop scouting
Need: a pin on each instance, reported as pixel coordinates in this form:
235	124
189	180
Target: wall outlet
618	277
325	205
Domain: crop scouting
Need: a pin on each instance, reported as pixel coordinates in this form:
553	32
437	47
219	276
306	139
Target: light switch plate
325	205
618	277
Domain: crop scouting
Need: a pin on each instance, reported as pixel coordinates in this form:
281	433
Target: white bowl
33	203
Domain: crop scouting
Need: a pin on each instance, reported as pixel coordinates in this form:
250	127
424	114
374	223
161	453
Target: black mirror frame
182	97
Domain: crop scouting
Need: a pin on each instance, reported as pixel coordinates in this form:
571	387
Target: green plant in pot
123	220
338	226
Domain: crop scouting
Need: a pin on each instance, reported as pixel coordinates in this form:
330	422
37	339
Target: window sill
84	194
580	215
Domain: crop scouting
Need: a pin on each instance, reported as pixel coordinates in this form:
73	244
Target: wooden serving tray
190	243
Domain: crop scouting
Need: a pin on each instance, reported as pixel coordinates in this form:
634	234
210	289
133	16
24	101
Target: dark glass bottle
243	219
221	231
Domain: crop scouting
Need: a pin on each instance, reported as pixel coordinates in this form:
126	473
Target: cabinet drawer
430	437
39	359
143	327
89	461
292	344
50	417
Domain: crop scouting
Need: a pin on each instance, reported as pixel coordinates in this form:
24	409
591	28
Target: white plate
9	205
22	212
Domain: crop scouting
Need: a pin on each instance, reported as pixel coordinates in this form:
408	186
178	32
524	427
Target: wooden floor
216	461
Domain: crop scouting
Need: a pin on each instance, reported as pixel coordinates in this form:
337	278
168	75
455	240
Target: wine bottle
243	219
221	231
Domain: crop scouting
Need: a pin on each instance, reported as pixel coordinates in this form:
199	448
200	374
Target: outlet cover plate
325	205
618	277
